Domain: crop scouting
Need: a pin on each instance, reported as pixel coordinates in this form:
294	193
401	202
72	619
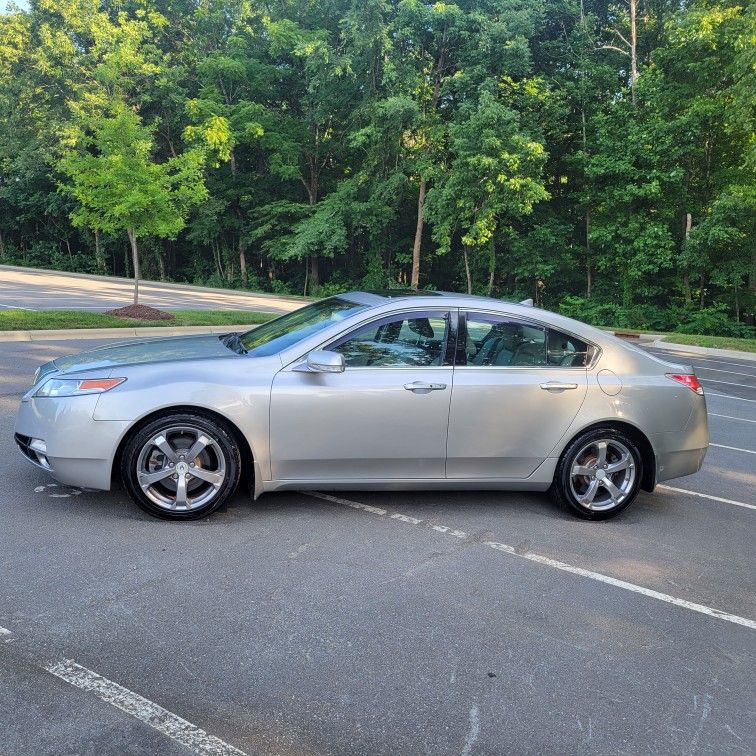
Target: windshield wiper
233	342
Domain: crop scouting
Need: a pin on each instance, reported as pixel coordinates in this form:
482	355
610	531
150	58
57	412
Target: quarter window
416	339
566	350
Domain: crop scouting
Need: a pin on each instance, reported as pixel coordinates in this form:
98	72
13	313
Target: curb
670	346
109	333
166	284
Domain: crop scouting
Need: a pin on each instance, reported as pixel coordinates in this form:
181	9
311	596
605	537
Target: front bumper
75	449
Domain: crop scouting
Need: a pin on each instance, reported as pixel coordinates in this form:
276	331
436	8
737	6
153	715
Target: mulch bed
140	312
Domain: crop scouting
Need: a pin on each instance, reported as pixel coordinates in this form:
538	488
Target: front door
518	389
384	417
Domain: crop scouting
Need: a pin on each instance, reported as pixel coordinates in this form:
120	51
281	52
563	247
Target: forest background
598	157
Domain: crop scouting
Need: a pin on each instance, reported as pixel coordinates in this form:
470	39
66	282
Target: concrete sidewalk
115	333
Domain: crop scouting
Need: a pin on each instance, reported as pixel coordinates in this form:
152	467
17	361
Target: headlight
77	386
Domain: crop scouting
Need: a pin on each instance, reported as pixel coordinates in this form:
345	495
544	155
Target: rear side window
567	351
496	341
499	341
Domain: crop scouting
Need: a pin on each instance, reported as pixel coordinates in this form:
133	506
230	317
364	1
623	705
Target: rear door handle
554	386
421	387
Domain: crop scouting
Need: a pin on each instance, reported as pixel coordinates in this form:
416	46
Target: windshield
278	334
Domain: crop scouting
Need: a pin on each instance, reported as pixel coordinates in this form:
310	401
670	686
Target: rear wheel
598	474
181	466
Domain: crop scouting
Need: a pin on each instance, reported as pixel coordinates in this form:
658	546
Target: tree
119	186
494	176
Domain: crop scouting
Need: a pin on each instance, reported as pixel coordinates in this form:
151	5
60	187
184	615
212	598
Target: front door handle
554	386
421	387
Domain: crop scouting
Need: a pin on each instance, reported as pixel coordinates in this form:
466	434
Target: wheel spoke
601	448
622	464
197	447
148	479
216	478
583	470
162	443
614	492
181	499
587	498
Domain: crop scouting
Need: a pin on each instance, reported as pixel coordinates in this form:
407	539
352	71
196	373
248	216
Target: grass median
36	320
713	342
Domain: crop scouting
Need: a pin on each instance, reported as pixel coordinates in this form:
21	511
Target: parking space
382	623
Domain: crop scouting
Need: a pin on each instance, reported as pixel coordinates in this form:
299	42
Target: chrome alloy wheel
181	468
602	475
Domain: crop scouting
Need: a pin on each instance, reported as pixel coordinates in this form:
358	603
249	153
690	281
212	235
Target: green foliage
327	146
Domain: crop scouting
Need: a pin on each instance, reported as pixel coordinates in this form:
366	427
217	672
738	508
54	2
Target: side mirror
322	361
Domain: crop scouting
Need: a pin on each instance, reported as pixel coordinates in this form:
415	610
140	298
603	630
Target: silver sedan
370	390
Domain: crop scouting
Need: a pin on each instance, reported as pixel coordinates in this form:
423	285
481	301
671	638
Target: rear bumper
677	464
679	454
60	436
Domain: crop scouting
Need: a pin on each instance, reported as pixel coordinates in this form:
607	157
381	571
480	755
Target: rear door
516	391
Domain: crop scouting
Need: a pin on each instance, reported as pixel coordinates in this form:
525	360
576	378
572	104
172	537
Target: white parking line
146	711
696	358
730	417
548	562
729	372
707	496
727	396
733	448
728	383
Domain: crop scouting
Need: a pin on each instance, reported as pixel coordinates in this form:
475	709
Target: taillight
687	380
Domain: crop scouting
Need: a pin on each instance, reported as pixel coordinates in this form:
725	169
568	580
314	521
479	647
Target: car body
373	390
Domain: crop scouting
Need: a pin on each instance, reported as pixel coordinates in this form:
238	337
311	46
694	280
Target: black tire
209	478
572	491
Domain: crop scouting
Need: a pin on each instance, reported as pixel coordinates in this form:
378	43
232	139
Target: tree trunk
99	257
314	271
467	269
737	301
588	269
134	261
492	269
243	261
702	300
161	266
686	274
2	246
415	280
633	48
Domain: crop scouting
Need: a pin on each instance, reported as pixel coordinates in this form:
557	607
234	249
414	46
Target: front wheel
181	466
598	474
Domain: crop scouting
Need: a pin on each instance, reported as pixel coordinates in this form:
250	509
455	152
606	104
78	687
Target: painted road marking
728	383
554	563
5	634
727	396
733	448
699	358
728	372
730	417
150	713
707	496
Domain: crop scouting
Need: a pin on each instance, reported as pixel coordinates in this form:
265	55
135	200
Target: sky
23	4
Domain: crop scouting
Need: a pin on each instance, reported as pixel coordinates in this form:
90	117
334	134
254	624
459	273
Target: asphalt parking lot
381	623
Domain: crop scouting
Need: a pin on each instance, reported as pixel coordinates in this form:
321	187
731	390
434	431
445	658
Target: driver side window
414	339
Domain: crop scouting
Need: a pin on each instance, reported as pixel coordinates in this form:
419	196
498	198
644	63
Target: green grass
27	320
714	342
